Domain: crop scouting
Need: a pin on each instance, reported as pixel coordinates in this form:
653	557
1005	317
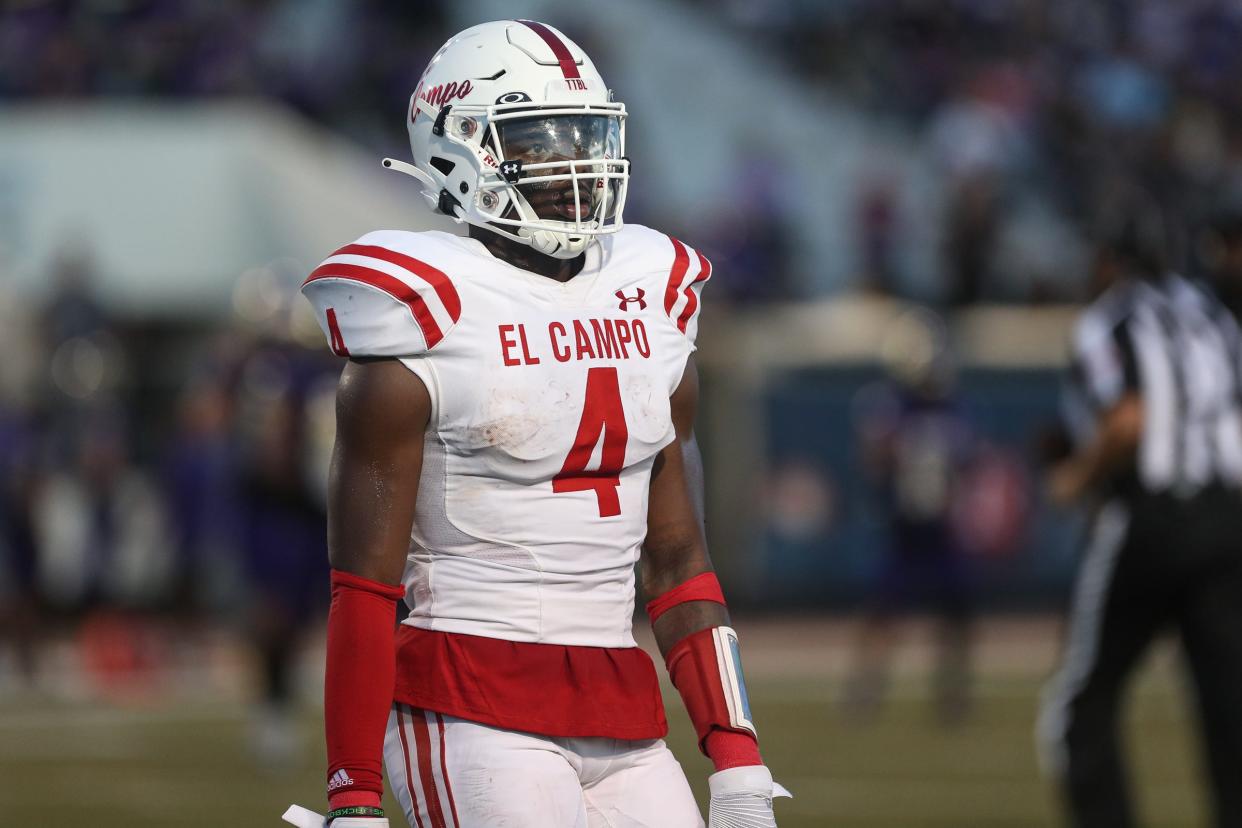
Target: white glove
742	798
303	818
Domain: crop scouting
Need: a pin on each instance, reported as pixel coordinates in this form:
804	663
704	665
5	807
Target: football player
514	427
917	445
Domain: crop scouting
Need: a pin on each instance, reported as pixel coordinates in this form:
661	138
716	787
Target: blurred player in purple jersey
915	443
20	602
280	518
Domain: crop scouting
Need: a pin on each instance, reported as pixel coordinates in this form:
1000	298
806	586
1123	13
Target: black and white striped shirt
1178	348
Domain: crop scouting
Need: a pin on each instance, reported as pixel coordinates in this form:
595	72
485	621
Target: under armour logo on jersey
625	300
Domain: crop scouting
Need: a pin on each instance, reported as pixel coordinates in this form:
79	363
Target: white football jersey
550	402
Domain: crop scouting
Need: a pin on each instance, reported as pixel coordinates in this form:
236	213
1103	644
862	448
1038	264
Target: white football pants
453	773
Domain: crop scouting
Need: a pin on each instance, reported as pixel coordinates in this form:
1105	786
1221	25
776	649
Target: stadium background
171	169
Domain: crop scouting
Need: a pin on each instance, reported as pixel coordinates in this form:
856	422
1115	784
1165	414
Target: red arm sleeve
694	666
358	686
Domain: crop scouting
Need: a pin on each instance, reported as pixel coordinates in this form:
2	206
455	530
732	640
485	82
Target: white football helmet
512	129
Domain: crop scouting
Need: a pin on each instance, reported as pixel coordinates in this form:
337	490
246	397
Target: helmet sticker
443	93
511	170
513	97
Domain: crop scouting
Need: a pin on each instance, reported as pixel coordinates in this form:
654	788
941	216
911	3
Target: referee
1153	406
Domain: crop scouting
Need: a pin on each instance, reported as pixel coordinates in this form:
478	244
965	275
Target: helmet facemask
552	177
563	175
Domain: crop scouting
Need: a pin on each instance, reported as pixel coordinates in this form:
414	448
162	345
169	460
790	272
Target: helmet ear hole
444	165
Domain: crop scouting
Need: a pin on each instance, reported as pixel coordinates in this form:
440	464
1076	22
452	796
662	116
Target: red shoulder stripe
436	278
391	285
568	67
692	301
681	262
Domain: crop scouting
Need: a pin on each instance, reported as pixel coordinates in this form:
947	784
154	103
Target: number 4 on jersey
602	413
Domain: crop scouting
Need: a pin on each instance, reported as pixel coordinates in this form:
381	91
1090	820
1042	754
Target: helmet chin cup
555	244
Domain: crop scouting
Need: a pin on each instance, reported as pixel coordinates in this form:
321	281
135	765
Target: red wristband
358	682
350	799
728	749
702	587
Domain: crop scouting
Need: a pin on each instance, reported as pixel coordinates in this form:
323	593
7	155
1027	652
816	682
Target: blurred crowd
1040	117
149	496
351	64
152	476
1040	114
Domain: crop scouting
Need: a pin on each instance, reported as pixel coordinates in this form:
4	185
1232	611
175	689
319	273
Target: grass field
188	764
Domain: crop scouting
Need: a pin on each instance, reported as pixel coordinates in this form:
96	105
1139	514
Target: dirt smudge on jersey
646	406
509	433
523	422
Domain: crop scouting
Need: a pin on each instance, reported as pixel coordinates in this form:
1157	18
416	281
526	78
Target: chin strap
554	243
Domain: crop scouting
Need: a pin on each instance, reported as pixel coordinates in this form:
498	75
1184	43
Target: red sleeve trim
702	587
446	296
675	290
681	263
438	280
692	299
391	285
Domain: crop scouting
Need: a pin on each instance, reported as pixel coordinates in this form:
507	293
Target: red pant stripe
409	777
448	787
422	744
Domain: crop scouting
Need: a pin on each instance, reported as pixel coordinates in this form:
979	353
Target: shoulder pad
380	297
